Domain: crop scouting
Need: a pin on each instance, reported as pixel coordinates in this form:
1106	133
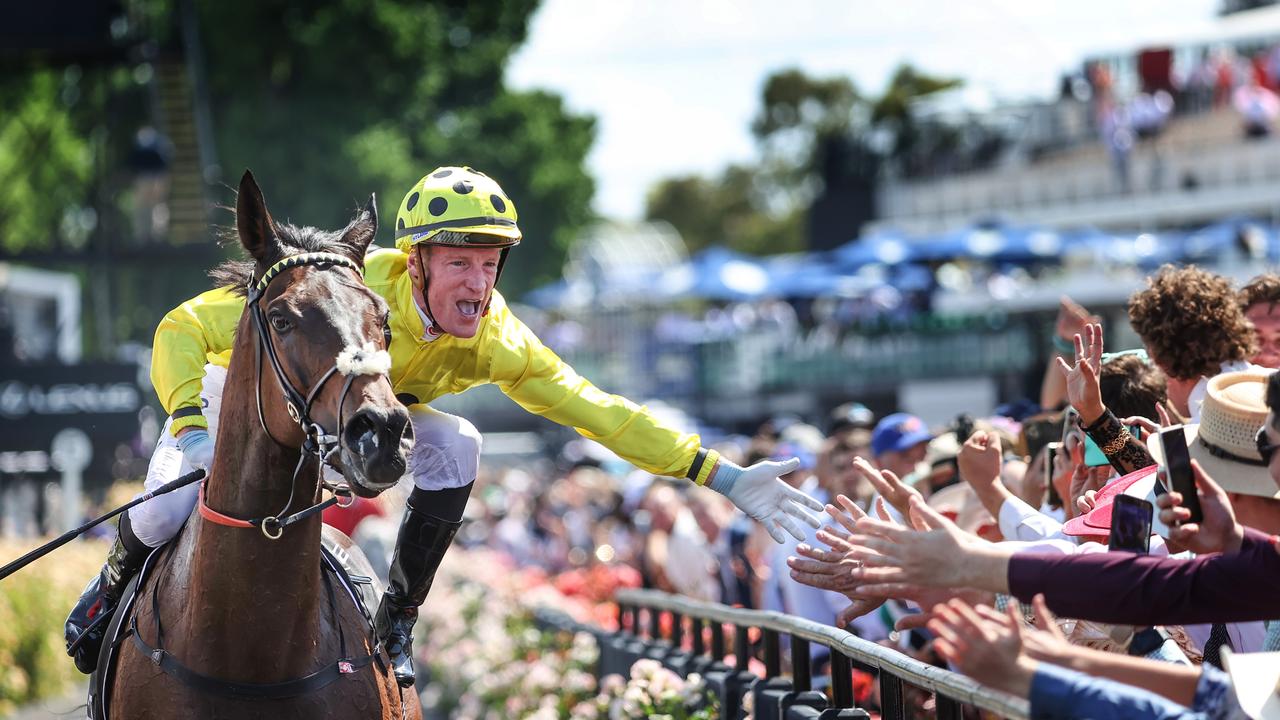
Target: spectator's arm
1143	590
1125	452
1057	692
1020	521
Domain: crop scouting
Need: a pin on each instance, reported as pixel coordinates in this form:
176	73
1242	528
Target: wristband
725	476
191	438
1063	346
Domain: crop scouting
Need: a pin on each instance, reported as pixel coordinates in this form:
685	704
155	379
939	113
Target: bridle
317	441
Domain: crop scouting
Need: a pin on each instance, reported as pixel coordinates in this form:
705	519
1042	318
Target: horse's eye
386	330
280	323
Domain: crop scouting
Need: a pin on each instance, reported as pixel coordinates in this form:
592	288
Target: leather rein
318	442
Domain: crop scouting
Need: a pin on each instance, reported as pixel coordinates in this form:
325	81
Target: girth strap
249	691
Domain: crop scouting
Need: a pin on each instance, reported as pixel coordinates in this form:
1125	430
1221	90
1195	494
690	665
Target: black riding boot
88	621
421	546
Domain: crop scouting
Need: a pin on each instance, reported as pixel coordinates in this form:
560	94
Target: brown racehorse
237	607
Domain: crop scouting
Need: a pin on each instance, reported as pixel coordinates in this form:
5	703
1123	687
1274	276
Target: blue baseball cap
898	432
787	450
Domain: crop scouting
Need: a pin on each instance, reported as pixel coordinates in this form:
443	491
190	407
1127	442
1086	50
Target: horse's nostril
361	433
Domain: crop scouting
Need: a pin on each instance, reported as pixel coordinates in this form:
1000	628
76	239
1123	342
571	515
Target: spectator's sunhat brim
1140	484
1224	440
1254	678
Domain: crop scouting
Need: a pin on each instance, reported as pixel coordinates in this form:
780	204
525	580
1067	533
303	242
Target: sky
674	84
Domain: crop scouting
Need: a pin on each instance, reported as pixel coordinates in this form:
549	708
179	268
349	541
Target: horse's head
323	370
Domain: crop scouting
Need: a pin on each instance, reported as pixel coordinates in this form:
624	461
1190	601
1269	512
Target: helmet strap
434	327
502	260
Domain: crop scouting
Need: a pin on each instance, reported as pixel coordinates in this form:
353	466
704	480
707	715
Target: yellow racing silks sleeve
199	331
543	384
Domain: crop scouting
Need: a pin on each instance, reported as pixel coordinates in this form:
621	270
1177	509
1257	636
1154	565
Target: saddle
342	559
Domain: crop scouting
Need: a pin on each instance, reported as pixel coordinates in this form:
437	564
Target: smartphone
1177	470
1130	524
1051	451
1093	455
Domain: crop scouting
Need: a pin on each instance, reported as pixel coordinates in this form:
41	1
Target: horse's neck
255	600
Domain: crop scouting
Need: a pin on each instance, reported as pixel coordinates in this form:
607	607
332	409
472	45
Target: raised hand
939	554
1217	532
893	490
1082	376
1072	317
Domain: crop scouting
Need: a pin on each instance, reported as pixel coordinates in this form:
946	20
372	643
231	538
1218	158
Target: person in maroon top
1236	578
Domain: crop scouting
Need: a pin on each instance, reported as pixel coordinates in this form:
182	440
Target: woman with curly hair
1258	300
1192	326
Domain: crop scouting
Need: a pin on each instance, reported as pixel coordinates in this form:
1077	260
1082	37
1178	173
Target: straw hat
1224	441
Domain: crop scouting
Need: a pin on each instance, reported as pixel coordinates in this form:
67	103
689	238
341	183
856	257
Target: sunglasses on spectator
1265	449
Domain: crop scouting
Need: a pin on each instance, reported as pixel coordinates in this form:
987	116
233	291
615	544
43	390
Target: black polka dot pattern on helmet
438	205
498	203
462	187
413	201
400	224
442	173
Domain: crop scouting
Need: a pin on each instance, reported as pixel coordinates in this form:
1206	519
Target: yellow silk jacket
504	351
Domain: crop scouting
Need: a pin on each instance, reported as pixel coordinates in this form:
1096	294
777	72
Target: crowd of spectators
984	545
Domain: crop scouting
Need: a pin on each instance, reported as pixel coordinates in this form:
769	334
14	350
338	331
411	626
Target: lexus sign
97	401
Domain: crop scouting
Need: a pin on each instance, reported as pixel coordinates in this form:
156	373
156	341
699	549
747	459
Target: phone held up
1178	475
1130	524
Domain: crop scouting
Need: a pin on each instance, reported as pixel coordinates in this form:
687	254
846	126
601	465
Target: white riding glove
197	448
760	493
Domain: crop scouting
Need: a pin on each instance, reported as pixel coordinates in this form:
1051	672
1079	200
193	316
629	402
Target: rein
318	441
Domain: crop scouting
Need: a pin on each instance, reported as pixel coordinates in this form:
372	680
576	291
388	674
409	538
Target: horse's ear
254	223
363	228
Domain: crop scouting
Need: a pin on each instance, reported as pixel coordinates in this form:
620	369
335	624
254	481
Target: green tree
327	102
805	129
46	161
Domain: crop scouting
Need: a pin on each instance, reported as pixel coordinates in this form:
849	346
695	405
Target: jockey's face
460	281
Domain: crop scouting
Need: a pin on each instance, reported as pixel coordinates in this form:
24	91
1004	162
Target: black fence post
891	696
948	708
769	692
802	702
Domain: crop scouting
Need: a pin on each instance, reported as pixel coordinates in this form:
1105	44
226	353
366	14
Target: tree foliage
46	161
327	102
806	126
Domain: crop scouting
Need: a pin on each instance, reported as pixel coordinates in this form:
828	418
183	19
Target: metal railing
641	634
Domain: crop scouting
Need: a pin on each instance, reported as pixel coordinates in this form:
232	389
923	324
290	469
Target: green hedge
33	607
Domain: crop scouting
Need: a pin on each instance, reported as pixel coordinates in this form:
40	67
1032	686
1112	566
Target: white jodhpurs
446	454
159	519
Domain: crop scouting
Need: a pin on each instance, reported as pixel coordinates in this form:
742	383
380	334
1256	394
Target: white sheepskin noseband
364	361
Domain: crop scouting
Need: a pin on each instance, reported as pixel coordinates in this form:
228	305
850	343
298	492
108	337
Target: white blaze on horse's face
364	360
355	361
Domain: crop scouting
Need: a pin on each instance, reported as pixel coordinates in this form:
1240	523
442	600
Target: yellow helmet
456	206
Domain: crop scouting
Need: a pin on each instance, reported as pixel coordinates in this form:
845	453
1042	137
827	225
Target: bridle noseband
317	441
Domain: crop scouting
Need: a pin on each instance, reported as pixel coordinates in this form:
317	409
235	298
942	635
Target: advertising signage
94	401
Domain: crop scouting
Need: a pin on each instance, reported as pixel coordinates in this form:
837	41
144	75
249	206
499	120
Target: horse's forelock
294	240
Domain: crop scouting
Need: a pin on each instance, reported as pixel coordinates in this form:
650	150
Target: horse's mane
294	240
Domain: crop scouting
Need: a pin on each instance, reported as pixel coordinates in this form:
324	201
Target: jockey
450	331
